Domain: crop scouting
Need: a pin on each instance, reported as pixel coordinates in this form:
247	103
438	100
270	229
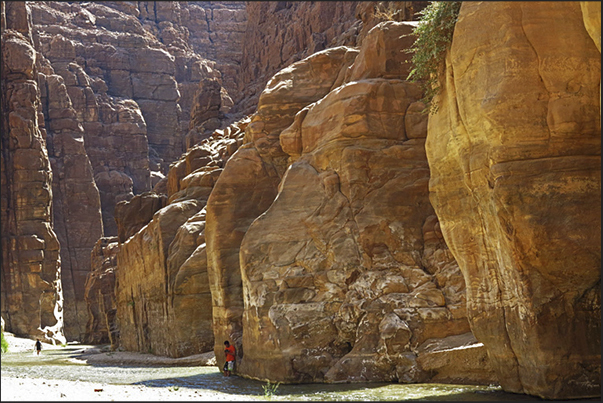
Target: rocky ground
33	389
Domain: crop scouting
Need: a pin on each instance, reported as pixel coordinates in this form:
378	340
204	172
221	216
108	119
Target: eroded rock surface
280	33
343	272
32	297
163	295
251	176
515	159
117	84
101	327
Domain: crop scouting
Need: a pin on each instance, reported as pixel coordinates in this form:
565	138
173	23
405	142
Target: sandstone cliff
162	295
346	278
334	235
324	262
32	298
279	33
515	160
118	84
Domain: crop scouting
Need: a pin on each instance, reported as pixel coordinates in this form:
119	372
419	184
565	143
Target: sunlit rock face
162	294
280	33
514	154
251	176
337	271
32	297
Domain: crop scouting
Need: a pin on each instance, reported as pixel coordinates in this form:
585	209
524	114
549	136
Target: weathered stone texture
131	215
100	294
32	298
117	89
514	153
250	179
279	33
335	271
77	206
163	295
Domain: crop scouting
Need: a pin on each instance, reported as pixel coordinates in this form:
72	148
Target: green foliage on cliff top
434	35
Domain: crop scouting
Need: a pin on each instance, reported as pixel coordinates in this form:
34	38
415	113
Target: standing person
229	352
38	346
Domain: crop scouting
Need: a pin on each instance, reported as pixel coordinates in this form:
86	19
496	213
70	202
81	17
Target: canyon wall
177	174
162	289
324	254
515	159
279	33
117	83
32	297
192	277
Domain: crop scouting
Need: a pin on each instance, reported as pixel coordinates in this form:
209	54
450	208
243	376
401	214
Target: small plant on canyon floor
4	344
270	389
434	35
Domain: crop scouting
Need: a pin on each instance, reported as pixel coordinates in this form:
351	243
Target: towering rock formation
280	33
334	271
77	206
515	159
31	295
117	85
162	296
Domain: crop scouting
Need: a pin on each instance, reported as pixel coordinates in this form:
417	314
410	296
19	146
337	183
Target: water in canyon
63	364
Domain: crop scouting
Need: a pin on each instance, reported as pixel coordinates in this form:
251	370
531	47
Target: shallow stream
61	364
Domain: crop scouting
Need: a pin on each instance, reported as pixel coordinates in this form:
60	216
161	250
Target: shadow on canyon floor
69	363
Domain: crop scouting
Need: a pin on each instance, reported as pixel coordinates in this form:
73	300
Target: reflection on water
60	364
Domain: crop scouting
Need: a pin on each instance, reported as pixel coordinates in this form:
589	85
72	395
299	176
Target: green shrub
388	11
434	35
4	343
270	389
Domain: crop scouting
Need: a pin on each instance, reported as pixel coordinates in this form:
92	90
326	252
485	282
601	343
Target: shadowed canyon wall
515	159
176	174
32	298
162	292
117	83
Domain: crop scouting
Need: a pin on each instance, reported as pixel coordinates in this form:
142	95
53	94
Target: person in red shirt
229	352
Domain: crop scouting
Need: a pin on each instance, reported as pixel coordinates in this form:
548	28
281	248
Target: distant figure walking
229	352
38	346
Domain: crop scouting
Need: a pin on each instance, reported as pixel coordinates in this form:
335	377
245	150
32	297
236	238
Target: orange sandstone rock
515	161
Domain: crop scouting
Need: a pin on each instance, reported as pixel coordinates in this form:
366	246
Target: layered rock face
514	153
162	294
32	298
212	29
336	271
77	206
101	327
279	33
251	178
117	87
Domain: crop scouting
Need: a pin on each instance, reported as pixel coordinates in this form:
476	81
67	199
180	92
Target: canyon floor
75	372
27	388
